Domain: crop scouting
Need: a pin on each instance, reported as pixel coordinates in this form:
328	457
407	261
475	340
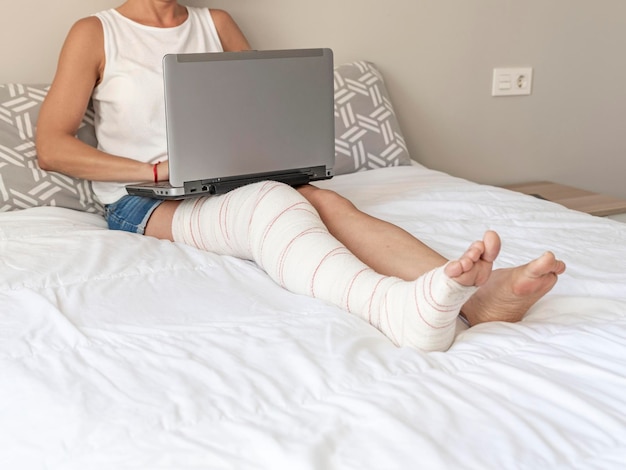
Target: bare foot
473	268
510	292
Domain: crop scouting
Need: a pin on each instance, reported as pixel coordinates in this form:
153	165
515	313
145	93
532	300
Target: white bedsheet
119	351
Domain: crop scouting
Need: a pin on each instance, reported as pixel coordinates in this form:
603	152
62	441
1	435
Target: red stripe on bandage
428	281
283	255
346	301
340	250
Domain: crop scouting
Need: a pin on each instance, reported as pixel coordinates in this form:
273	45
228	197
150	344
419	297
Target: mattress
119	351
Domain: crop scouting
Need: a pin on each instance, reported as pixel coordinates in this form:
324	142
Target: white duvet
123	352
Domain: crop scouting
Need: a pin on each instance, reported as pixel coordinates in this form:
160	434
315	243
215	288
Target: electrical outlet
512	81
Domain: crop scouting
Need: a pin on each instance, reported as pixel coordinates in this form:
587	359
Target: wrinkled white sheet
119	351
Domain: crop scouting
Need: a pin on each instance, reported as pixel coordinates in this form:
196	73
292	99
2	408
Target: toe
454	269
492	246
545	264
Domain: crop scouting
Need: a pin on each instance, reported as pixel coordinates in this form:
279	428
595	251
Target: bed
120	351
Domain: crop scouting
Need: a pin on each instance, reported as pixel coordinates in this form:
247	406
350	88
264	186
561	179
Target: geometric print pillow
22	183
367	136
367	133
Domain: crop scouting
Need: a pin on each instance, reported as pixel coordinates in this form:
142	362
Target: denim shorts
130	213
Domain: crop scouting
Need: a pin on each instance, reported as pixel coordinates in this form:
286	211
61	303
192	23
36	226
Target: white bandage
275	226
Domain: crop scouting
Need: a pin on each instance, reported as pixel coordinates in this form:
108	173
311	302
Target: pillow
22	183
367	133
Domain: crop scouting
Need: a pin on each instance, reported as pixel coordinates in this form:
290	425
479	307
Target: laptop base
164	190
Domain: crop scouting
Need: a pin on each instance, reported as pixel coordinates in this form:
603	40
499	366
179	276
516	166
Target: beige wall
437	57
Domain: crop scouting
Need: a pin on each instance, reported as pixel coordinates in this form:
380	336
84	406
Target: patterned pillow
367	133
22	183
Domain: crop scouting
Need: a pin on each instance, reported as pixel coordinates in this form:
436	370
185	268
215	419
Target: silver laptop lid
242	113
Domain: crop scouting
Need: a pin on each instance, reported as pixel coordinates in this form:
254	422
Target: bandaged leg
273	225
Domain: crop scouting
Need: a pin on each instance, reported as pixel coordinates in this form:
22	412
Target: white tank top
129	103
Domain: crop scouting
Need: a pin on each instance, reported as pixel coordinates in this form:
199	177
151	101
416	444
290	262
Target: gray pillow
22	183
367	133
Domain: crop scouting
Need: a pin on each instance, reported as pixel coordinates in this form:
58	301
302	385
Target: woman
309	240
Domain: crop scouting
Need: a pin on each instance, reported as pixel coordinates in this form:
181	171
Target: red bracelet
155	172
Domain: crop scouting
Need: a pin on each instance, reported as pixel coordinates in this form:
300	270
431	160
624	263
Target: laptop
234	118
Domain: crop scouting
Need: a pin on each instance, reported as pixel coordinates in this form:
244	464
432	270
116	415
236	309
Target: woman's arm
80	68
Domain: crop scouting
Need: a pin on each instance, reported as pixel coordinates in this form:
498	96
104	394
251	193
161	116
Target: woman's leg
386	248
390	250
280	230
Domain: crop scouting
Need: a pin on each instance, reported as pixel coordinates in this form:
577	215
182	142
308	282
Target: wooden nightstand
573	198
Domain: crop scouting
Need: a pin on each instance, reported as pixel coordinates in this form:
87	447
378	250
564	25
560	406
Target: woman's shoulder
84	46
220	16
231	36
89	27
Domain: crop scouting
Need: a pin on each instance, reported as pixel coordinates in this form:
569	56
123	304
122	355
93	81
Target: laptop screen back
249	112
